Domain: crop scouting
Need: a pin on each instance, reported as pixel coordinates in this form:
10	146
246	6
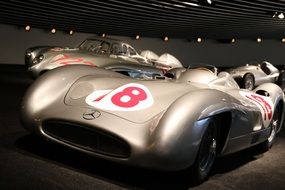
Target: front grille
87	139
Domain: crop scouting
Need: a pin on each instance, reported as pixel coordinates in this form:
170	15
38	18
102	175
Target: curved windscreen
206	67
99	46
91	45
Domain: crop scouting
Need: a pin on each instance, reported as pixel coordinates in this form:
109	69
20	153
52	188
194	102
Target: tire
248	81
281	80
206	155
275	125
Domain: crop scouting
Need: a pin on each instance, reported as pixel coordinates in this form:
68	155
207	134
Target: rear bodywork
148	123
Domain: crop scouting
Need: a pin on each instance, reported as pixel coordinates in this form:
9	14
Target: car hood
134	100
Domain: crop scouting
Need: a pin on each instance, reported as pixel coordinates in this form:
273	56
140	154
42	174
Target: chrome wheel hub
273	130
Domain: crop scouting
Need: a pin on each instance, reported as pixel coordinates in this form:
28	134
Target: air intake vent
88	139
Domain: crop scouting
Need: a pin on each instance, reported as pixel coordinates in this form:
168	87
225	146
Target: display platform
29	162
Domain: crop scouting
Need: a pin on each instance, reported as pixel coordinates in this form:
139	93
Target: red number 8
134	98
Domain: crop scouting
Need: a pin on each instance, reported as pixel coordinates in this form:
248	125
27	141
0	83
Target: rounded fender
53	86
275	93
180	129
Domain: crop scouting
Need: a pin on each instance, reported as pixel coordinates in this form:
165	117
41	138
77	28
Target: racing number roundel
129	97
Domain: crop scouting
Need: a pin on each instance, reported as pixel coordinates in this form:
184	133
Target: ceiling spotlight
283	40
166	39
279	15
198	3
103	35
71	32
53	31
191	4
137	37
27	28
233	40
258	40
199	40
205	2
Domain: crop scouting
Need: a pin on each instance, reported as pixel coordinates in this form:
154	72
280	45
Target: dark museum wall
14	41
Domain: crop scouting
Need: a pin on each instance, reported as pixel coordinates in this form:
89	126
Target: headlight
38	59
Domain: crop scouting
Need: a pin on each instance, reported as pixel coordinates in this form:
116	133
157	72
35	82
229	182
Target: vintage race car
94	51
250	76
164	124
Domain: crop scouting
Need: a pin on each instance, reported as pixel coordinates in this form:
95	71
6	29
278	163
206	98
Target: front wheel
281	80
206	154
275	125
248	81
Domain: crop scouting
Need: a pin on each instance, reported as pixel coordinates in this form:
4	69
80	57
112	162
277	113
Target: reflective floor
29	162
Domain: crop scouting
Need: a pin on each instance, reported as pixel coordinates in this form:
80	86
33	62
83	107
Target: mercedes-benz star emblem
91	114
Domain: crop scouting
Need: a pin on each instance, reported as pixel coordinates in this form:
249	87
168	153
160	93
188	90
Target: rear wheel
281	80
248	81
206	154
275	125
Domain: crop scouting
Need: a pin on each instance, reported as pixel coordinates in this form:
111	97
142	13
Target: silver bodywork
94	51
77	106
263	73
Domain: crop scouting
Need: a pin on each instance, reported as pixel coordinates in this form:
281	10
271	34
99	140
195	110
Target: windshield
208	67
95	45
118	49
89	44
99	46
138	74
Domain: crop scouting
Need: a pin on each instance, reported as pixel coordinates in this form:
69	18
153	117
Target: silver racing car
162	123
250	76
94	51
